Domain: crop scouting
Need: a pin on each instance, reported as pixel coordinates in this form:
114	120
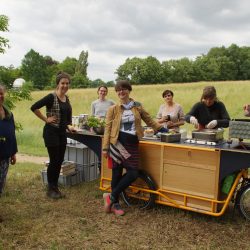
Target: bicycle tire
138	198
243	201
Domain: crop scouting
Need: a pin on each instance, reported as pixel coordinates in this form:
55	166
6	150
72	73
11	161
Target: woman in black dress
57	120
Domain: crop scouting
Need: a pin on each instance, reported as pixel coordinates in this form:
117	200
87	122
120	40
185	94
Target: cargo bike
198	175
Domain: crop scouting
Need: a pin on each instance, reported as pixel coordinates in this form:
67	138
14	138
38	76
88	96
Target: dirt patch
31	158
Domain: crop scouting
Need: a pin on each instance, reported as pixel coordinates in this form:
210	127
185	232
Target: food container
148	132
170	137
208	134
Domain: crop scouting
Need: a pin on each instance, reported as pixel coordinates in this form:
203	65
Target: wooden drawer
191	157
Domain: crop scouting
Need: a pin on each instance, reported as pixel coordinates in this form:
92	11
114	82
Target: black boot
53	192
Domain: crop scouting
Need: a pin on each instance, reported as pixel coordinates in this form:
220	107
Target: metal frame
164	194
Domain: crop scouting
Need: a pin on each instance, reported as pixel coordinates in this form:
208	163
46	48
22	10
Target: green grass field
32	221
233	94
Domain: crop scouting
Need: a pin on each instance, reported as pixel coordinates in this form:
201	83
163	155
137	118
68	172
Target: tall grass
32	221
233	94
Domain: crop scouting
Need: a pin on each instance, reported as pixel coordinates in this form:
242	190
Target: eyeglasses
121	90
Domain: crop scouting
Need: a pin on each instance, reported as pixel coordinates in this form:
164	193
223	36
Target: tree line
40	71
219	64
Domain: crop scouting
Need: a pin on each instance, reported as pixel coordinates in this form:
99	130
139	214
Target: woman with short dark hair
209	112
121	142
170	114
57	120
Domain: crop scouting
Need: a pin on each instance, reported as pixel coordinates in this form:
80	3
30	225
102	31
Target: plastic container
80	154
227	183
64	180
86	161
88	172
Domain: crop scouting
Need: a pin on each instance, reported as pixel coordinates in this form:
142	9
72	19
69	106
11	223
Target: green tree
97	82
68	65
167	71
130	70
34	69
82	64
150	71
4	42
181	70
79	81
8	75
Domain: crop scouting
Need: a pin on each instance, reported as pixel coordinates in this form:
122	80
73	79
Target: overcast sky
113	30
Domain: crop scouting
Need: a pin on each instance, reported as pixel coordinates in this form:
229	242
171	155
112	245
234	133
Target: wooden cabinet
191	171
180	172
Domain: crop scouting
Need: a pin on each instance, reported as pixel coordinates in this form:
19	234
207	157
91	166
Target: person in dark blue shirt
8	145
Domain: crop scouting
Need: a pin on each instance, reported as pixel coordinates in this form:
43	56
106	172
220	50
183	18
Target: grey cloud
120	29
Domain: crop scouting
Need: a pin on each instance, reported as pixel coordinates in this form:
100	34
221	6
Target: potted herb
98	124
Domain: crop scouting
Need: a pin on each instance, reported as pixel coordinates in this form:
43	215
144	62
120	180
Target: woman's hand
194	121
13	160
51	119
105	154
71	129
170	124
212	124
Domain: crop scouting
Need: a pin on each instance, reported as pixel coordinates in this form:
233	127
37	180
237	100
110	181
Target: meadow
32	221
233	94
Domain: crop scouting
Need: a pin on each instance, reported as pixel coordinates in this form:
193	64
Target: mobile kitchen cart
186	175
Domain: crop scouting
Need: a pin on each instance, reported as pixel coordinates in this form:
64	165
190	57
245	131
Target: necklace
61	97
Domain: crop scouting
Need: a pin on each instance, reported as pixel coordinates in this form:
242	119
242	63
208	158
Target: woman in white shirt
100	106
170	114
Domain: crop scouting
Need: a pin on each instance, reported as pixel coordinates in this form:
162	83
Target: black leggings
56	157
120	182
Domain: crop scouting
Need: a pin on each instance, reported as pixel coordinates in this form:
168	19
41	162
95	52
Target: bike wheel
139	198
243	201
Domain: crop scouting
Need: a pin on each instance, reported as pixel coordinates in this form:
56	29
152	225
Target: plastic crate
88	172
64	180
80	154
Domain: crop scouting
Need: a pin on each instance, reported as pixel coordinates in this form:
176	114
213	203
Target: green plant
95	122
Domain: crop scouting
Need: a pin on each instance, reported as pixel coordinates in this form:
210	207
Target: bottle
227	183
